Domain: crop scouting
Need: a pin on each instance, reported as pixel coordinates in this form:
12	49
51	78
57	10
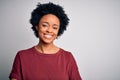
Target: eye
45	25
55	27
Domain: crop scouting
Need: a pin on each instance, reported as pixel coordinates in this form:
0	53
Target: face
48	28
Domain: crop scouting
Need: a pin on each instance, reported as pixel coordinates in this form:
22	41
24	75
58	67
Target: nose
49	29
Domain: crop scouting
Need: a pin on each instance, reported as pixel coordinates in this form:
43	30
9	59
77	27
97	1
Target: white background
93	35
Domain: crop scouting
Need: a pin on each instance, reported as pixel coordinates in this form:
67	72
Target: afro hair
49	8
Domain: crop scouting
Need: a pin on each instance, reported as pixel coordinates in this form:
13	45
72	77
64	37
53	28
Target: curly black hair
49	8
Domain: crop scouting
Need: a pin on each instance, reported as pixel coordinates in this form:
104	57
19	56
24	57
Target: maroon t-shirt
32	65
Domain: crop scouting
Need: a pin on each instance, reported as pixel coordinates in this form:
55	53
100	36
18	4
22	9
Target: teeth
48	36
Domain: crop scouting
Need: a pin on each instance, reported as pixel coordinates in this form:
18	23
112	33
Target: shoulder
25	55
68	57
67	54
27	51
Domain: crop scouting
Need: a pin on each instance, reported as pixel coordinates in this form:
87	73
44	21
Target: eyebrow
48	23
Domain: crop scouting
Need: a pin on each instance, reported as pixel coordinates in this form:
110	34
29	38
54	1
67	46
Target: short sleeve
73	70
16	68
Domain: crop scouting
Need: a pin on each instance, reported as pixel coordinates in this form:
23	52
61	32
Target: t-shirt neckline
47	54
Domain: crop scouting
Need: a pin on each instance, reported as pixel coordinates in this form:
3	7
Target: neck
46	48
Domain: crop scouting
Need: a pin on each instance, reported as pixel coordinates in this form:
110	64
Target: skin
13	79
47	28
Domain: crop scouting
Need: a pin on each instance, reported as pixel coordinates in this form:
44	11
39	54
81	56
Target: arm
73	70
16	69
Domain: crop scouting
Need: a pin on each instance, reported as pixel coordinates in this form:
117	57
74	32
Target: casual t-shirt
30	64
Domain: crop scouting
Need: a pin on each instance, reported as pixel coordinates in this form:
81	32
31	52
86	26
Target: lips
48	36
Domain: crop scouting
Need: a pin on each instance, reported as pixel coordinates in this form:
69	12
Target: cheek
42	30
56	32
40	33
56	35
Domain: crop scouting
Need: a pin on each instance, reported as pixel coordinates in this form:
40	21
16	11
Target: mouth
48	36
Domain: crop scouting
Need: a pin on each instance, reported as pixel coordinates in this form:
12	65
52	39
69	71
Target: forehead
50	18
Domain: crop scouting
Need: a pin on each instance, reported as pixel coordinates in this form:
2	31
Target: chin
47	41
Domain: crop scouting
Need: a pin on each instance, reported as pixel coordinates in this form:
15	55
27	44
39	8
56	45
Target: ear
36	28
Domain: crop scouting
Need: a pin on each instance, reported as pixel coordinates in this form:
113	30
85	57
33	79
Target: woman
46	61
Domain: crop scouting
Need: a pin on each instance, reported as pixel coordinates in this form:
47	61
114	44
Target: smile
48	36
